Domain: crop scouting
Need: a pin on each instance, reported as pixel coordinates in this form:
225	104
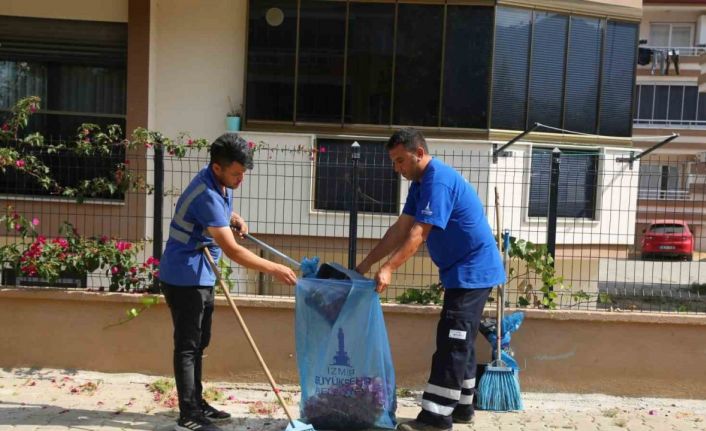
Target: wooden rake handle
498	325
233	307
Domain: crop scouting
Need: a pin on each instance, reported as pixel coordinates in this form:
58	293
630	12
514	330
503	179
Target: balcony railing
655	123
683	50
664	195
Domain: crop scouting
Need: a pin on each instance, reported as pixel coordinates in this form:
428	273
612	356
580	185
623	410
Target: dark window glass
618	79
469	37
647	98
378	183
78	71
690	96
547	68
418	65
577	183
321	48
676	97
271	56
702	108
369	79
511	60
661	102
582	73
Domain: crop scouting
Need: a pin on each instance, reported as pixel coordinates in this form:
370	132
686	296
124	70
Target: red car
668	238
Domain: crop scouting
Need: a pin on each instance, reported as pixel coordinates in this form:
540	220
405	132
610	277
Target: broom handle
214	267
498	325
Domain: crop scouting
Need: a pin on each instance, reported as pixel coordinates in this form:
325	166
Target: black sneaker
198	423
213	413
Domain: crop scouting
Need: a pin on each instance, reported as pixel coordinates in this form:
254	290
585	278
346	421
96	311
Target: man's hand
383	278
284	274
240	226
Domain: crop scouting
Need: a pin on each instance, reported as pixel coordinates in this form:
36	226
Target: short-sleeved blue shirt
461	242
202	205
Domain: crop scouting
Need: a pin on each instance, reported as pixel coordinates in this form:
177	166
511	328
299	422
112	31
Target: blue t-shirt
461	242
202	205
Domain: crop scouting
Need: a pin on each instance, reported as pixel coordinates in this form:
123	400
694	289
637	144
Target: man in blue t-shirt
203	217
443	209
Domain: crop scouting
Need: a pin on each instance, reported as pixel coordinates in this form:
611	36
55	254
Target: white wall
197	60
89	10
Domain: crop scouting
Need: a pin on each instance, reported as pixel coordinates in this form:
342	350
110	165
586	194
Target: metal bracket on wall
500	152
633	158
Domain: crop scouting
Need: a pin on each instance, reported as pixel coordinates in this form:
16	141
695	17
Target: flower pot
66	279
233	124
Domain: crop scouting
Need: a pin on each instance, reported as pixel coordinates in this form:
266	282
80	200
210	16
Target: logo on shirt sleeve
427	211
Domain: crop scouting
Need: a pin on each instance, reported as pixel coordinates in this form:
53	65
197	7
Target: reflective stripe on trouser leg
456	333
467	392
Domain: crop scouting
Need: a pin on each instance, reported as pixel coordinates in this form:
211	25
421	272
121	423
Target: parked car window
667	228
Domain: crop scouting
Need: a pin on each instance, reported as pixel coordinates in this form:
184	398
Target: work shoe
213	413
197	423
460	418
416	425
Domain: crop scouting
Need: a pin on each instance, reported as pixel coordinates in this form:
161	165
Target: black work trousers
451	385
192	310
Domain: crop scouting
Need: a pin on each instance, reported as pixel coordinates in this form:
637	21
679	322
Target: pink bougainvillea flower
114	270
104	239
190	142
35	221
6	127
20	163
251	144
32	108
322	149
63	243
123	245
133	270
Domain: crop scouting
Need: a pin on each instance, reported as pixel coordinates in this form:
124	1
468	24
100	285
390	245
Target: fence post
158	206
353	213
553	202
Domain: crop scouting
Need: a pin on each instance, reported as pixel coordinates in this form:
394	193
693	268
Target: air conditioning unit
701	157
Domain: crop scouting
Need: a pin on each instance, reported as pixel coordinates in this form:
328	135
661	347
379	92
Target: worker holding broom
204	216
443	209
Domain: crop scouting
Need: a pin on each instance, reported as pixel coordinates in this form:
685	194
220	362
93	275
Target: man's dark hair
229	148
409	137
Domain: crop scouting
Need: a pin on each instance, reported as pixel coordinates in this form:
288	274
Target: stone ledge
288	303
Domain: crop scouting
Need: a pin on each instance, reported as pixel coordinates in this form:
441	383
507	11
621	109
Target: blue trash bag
511	323
343	354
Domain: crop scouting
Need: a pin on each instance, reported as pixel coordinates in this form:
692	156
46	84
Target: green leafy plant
35	255
431	295
539	265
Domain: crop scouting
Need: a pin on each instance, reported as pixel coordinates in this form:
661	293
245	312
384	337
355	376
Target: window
582	72
658	181
512	44
578	178
618	79
535	78
547	68
418	65
369	77
669	105
671	35
78	69
469	37
367	63
322	39
271	59
378	184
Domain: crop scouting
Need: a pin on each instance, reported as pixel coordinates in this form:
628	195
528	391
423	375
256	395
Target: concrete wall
614	353
197	61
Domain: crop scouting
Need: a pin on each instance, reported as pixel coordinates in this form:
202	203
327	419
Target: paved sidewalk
59	400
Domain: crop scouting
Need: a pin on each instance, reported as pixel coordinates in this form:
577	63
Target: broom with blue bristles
499	388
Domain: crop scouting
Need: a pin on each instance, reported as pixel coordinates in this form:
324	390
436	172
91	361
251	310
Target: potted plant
233	117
